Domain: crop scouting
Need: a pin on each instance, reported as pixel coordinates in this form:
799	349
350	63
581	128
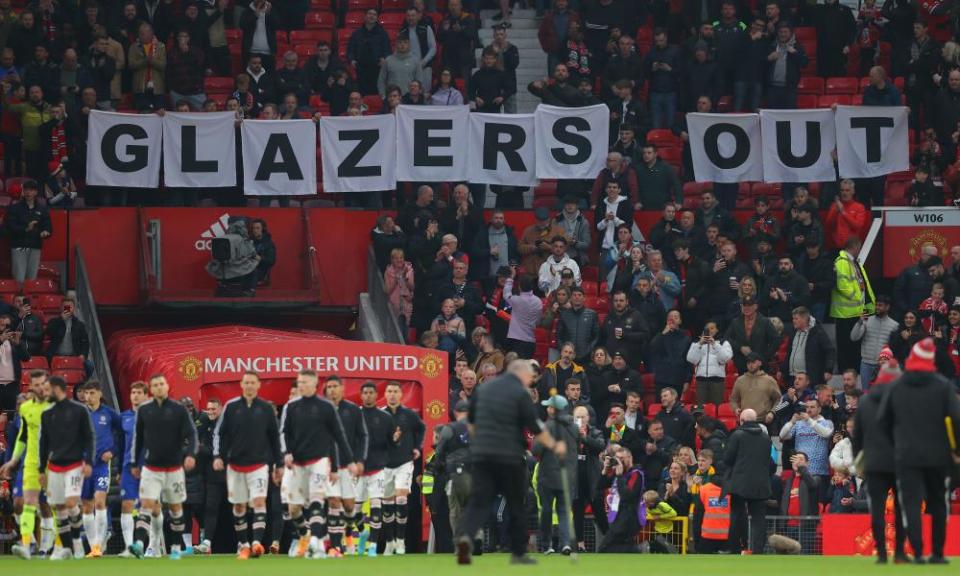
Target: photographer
549	482
68	335
626	485
12	352
28	324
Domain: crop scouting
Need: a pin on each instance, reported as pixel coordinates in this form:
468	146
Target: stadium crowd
653	345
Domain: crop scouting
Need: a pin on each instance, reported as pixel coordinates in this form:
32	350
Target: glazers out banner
366	154
798	145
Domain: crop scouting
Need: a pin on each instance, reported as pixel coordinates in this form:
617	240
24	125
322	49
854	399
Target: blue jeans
746	96
663	108
867	373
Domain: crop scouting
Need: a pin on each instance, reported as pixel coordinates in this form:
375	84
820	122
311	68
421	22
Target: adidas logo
216	230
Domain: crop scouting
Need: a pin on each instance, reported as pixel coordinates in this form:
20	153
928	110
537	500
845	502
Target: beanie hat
922	356
887	354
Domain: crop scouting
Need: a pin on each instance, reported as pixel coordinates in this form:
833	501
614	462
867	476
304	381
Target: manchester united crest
431	365
190	368
436	409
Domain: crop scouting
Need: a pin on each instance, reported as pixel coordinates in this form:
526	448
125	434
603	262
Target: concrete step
517	13
513	35
515	24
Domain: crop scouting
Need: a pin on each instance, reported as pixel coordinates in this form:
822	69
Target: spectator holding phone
12	352
68	335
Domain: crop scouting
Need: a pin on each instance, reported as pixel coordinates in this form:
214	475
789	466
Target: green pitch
489	564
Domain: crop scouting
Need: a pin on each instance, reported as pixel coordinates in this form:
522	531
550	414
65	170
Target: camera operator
626	485
234	261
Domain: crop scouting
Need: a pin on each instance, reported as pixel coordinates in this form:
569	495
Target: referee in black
879	468
916	411
500	411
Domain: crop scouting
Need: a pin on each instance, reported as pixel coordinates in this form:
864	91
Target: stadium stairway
533	60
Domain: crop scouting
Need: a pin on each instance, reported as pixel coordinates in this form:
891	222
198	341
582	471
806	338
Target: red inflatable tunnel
208	362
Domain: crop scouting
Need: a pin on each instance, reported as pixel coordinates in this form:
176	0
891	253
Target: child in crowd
246	98
842	492
923	191
933	310
662	515
761	225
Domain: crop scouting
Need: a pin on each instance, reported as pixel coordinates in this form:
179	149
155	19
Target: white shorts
370	486
309	483
167	487
62	486
345	487
244	487
395	479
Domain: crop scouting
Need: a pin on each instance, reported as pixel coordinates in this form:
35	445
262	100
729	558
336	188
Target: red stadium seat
807	100
353	20
654	409
40	286
591	273
305	51
71	377
857	99
374	104
66	363
15	186
710	410
388	6
218	84
828	100
729	421
311	36
320	20
393	19
321	5
764	189
363	5
233	35
48	302
645	35
810	85
724	410
670	155
661	137
805	34
590	287
9	285
841	85
35	363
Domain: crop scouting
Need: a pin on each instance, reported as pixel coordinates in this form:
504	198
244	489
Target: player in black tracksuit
342	511
380	430
66	438
879	466
914	412
311	431
408	436
246	439
164	441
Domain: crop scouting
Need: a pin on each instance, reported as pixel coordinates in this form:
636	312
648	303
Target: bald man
748	457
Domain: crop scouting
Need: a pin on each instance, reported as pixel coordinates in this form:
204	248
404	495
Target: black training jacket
66	435
164	434
356	429
412	431
247	434
310	428
380	438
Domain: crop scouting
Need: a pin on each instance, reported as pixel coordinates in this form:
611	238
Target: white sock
127	527
156	535
100	519
47	533
188	539
90	528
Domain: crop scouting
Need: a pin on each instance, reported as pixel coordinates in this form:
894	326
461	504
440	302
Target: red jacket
852	222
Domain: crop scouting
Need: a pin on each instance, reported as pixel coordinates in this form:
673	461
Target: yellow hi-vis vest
427	487
849	299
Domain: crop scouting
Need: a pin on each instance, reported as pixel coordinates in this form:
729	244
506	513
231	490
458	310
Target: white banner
872	140
199	150
431	144
798	145
503	149
358	153
725	147
572	142
279	157
123	150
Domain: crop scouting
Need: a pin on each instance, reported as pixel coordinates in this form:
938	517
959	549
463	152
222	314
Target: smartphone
579	422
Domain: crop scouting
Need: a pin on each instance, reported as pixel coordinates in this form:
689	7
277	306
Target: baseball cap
567	273
748	301
541	213
557	402
618	354
461	406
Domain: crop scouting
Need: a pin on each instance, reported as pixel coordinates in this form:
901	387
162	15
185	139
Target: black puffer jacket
747	457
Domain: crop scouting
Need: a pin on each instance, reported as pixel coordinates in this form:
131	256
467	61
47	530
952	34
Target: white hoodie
549	275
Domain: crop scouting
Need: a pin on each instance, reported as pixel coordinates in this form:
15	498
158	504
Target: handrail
315	277
148	280
378	298
98	349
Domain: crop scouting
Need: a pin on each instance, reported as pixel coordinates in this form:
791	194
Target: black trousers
489	479
216	496
740	507
523	349
621	538
916	485
8	396
848	351
879	485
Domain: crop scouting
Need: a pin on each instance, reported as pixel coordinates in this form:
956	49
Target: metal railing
98	350
377	293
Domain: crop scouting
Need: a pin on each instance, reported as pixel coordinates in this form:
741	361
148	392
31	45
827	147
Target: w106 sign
906	232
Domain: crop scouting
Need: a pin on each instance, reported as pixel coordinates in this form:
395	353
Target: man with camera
626	484
549	479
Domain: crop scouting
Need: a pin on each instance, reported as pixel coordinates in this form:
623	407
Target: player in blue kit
129	486
107	429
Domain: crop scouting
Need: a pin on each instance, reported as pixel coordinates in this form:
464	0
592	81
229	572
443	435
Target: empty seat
363	5
320	20
353	20
40	286
393	19
653	410
35	363
661	137
66	363
388	6
810	85
311	36
218	84
9	285
828	100
374	103
841	85
724	410
71	377
321	5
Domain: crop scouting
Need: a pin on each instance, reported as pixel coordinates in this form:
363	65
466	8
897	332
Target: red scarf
58	144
